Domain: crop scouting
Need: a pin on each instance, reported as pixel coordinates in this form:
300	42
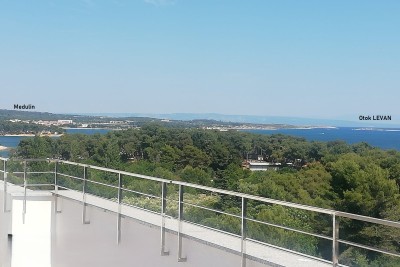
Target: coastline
30	135
4	148
10	135
81	128
52	135
268	128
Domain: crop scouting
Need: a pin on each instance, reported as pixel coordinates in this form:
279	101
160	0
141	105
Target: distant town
15	122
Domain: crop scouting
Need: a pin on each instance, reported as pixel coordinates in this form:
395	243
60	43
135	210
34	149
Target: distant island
16	122
265	120
31	123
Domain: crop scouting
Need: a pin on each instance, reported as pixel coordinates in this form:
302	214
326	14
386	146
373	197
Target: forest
8	127
356	178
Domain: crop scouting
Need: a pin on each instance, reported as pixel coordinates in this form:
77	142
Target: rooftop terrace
181	212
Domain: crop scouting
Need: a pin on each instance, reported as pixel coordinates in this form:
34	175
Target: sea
13	141
385	138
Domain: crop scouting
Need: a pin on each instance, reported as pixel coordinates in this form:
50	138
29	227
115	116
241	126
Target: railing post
180	218
5	187
119	208
335	241
56	202
55	177
24	202
84	221
163	212
243	231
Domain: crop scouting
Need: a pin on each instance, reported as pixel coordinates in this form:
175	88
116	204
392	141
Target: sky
311	58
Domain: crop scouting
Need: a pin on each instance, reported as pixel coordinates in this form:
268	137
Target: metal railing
64	175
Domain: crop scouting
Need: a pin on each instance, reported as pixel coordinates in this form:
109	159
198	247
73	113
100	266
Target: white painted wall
31	241
5	229
29	244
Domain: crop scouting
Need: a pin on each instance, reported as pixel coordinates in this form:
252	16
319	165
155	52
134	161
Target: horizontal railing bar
70	176
290	229
140	193
39	159
251	197
368	219
123	204
369	248
288	250
262	199
99	183
209	209
211	189
226	192
8	182
211	228
39	184
117	171
49	172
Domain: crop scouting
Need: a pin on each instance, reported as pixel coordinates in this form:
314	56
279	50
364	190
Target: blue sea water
13	141
9	141
382	138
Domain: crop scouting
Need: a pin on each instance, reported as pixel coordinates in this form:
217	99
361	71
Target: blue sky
318	59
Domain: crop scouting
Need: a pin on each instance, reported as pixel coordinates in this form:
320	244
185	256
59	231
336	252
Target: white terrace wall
5	229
